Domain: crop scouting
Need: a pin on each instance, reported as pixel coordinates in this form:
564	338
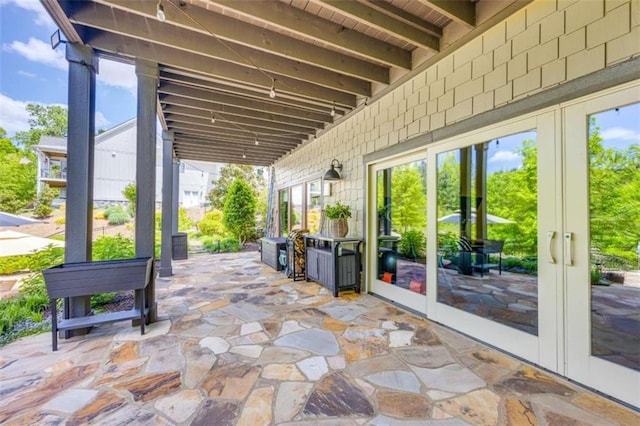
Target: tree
43	120
43	207
240	211
17	176
129	192
408	198
228	175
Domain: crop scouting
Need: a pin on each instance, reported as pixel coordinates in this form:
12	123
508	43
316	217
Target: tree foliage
240	211
43	206
17	176
129	192
228	175
50	120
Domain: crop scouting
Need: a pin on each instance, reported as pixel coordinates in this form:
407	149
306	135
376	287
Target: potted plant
338	215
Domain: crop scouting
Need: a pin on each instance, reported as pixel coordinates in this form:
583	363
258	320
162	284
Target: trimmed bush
113	247
212	224
12	264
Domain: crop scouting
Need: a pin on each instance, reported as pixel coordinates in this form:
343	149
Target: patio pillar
176	196
167	204
147	73
83	65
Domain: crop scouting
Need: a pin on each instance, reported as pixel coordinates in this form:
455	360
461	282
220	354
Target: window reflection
401	210
284	212
314	200
487	230
614	201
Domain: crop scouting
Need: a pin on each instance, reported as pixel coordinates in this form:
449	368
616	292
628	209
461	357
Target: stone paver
239	344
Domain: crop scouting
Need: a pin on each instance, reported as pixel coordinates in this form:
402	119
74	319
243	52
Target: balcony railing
53	174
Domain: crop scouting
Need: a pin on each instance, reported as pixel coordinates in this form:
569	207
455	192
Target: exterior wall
541	46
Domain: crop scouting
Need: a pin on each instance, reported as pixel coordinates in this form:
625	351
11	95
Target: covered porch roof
249	81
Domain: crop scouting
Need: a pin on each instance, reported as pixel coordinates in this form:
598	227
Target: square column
147	73
166	252
83	65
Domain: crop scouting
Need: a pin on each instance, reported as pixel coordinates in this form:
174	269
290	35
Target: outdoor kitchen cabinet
333	262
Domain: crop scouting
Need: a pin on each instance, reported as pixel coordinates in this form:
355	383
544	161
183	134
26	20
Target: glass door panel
487	230
602	243
400	215
314	206
495	270
284	212
296	207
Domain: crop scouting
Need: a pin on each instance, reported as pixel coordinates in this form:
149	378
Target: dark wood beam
211	129
462	11
372	17
208	97
153	31
241	123
308	25
141	49
248	142
197	19
230	135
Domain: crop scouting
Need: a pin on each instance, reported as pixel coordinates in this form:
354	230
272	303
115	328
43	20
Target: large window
300	207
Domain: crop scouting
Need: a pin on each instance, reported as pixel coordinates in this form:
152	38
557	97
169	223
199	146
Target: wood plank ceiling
220	59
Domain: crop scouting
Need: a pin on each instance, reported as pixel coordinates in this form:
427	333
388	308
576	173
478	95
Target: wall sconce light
332	174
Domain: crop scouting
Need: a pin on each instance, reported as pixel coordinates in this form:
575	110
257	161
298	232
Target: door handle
568	248
550	236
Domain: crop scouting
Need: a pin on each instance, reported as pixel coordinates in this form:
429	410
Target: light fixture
256	141
333	110
244	154
366	103
272	92
213	118
56	39
160	12
332	174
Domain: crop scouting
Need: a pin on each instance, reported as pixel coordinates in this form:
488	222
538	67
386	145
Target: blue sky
31	72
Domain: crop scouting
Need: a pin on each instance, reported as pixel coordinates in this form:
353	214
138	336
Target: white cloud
620	133
27	74
42	17
101	121
13	115
504	157
117	74
38	51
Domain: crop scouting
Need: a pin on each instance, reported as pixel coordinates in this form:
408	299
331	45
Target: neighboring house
115	167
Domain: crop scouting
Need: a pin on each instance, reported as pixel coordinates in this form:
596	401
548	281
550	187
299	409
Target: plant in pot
338	215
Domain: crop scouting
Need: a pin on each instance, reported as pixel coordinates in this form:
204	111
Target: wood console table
333	262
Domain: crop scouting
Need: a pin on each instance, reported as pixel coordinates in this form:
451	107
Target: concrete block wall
543	45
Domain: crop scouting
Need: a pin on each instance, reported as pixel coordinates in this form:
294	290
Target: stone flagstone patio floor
239	344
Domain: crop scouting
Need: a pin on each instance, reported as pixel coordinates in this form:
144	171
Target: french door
532	237
397	231
495	194
601	243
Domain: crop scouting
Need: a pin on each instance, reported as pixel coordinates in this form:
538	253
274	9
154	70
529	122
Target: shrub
129	193
118	218
226	245
212	224
113	247
240	211
43	203
100	215
184	221
12	264
412	244
60	221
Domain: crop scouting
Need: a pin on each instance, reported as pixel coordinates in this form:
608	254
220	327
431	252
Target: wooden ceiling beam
153	31
212	128
462	11
231	137
240	123
230	88
224	139
229	146
213	158
232	113
372	17
152	52
197	19
207	97
313	27
406	17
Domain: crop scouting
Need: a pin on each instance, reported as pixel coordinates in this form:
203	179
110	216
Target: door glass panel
296	207
614	201
314	199
402	219
487	230
284	212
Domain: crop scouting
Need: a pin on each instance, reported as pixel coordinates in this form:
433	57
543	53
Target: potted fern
338	215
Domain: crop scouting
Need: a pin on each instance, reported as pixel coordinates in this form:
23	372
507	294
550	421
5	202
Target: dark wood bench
88	278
